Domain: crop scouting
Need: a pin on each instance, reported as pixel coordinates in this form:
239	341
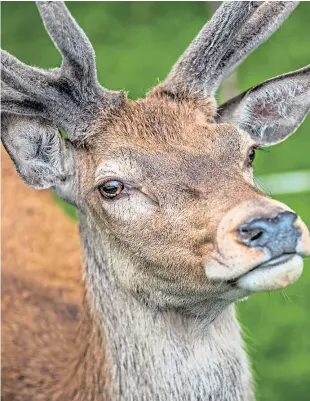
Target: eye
251	156
111	189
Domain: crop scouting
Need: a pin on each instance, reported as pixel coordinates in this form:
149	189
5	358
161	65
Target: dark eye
251	156
111	189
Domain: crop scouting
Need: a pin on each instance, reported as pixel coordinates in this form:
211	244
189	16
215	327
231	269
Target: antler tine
39	89
70	40
193	72
15	102
266	20
23	78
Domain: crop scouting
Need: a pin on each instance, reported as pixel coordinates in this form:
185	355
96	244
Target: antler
235	30
69	96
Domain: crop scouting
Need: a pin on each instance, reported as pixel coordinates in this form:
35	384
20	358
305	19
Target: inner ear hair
43	158
273	110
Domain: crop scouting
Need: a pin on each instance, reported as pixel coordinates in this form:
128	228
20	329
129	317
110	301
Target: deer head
166	182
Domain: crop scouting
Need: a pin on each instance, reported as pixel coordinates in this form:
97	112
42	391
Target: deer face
176	192
167	182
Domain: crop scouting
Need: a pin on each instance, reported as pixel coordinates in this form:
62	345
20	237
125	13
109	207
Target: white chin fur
272	277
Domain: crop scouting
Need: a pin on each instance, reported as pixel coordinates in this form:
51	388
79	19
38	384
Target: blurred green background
136	43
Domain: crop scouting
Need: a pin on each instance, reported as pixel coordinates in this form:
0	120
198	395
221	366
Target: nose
278	233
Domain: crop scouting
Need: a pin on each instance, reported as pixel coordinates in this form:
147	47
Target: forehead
163	134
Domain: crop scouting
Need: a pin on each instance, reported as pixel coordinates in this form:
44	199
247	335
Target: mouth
274	274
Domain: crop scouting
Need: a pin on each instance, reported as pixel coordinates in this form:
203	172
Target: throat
154	355
171	356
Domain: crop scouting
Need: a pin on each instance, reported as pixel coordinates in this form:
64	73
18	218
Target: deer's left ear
273	110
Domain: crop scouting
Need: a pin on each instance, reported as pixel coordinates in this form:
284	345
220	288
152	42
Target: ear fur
43	158
273	110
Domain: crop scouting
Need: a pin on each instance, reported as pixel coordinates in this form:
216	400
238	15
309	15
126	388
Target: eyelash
256	148
124	192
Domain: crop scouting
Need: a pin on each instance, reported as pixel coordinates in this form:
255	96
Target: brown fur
188	164
52	346
167	257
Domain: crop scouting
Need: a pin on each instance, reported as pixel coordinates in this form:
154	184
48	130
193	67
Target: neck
162	355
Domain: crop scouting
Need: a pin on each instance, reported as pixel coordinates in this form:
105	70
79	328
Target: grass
136	44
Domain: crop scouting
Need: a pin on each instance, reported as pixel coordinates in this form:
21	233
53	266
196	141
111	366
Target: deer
173	230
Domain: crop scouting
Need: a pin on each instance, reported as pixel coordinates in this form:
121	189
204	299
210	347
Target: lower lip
272	275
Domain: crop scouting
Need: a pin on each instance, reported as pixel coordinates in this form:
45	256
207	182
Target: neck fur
163	355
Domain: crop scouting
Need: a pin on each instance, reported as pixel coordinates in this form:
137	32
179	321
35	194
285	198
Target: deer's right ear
273	110
42	157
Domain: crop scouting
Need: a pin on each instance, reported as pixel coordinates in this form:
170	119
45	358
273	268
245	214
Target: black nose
278	234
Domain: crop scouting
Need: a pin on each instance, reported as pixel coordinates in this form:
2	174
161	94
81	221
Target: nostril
257	235
250	234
